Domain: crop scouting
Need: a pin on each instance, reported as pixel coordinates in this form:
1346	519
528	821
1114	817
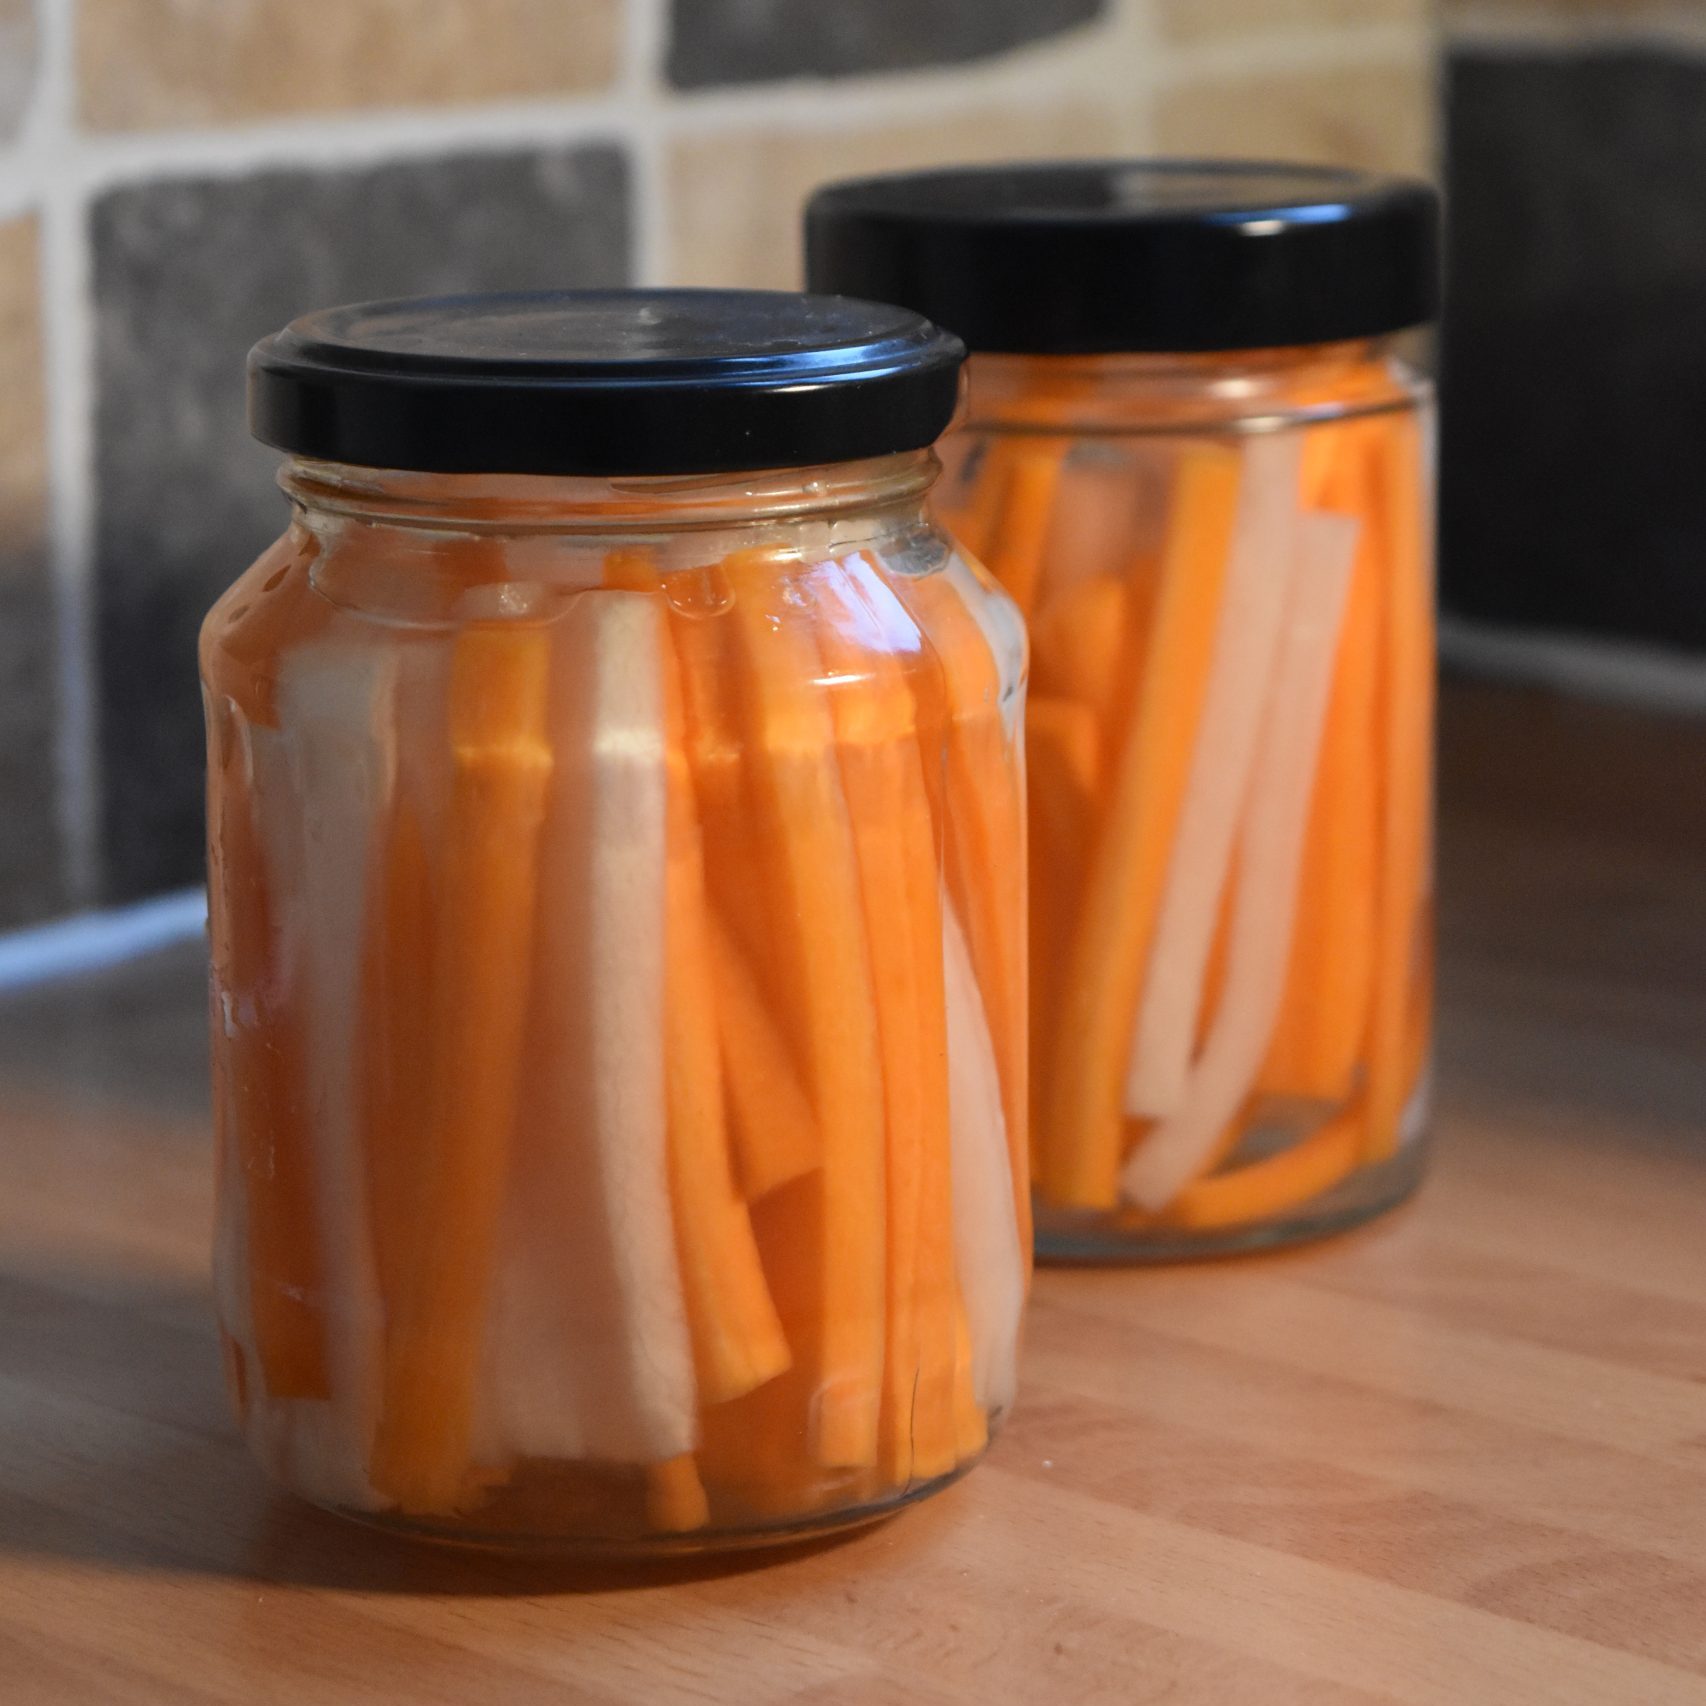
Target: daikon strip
1258	572
986	1233
305	1444
589	1355
337	719
1079	1155
1270	855
501	764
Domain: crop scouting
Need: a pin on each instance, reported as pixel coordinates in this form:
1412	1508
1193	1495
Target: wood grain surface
1456	1458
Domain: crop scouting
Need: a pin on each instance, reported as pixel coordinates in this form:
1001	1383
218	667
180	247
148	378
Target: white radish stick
1271	855
337	743
1246	646
588	1354
986	1234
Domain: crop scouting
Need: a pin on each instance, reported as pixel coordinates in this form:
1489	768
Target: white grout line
96	940
1621	670
67	327
642	96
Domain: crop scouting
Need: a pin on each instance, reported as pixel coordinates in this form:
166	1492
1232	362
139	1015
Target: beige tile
1378	116
1202	20
23	406
156	64
735	199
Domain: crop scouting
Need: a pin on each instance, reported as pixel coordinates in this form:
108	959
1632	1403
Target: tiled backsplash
178	177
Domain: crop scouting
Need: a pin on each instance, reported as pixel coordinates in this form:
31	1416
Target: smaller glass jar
616	870
1196	457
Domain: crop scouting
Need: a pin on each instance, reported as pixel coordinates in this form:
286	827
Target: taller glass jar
1198	461
616	867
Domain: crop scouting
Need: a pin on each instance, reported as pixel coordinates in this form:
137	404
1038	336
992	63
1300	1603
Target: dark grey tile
187	276
1574	356
31	885
754	41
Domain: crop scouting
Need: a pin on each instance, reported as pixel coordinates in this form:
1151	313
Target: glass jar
616	871
1195	456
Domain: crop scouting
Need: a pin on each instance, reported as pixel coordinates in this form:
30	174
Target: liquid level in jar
1228	749
618	1020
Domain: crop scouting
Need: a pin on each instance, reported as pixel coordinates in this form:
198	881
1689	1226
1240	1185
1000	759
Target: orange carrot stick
981	802
773	1129
421	1454
1013	550
1080	645
1323	1022
1248	1195
737	1339
1079	1153
675	1496
863	635
1062	761
790	739
1406	713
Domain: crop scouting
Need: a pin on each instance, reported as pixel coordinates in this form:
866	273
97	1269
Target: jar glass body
617	1002
1226	565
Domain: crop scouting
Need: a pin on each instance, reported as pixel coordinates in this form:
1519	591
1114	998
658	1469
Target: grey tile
187	276
753	41
17	64
1574	355
31	887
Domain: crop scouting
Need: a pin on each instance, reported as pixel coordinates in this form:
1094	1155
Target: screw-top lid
1136	255
604	382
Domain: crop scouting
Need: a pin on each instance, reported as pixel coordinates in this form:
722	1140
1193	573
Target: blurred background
178	177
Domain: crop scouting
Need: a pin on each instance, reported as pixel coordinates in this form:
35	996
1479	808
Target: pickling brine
618	983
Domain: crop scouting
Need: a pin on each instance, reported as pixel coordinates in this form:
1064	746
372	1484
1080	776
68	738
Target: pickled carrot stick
1013	551
737	866
1323	1022
737	1338
991	1260
1270	854
1079	1156
1248	1195
1246	646
396	1035
337	718
974	522
1406	713
773	1129
984	828
790	739
589	1352
1063	758
272	1273
421	1452
675	1496
1080	645
863	635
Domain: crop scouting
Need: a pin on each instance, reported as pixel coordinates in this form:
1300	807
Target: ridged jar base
500	1531
1076	1236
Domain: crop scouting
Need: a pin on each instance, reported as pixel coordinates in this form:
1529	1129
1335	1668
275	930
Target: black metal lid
604	382
1099	256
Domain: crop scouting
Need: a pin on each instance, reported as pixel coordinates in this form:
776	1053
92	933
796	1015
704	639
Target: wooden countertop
1456	1459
